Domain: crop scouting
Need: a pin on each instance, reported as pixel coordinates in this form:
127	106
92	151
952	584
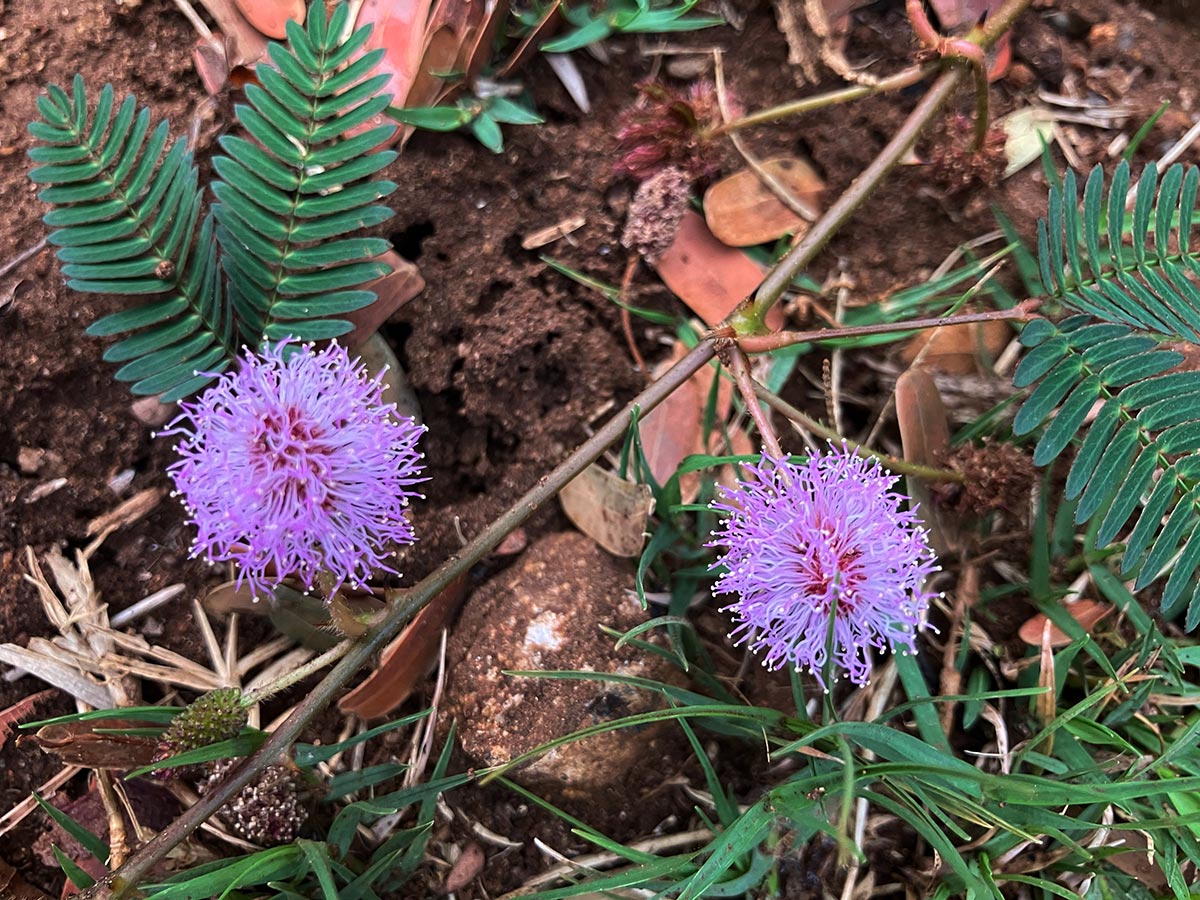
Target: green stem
899	81
404	605
765	343
298	674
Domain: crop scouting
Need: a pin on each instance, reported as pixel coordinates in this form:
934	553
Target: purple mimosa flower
804	540
292	465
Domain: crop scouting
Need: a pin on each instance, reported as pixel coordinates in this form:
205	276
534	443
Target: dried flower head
267	811
293	466
656	211
955	162
668	127
826	537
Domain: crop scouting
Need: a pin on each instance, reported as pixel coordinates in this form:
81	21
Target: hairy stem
899	81
739	366
404	605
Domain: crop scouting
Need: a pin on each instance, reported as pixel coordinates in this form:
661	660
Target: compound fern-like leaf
290	196
1129	269
125	217
1139	459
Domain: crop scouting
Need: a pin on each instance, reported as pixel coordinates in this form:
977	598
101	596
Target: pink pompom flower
825	537
293	465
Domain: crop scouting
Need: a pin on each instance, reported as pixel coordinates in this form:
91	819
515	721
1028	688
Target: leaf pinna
1112	374
290	196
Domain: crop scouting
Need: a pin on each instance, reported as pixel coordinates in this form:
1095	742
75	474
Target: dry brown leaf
480	52
398	27
392	291
958	349
925	435
674	428
271	16
406	659
1088	613
710	277
610	510
742	211
84	744
14	887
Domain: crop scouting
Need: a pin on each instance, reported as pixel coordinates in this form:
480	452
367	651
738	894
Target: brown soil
510	360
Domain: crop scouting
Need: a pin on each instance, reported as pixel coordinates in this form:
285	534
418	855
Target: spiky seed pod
216	716
266	812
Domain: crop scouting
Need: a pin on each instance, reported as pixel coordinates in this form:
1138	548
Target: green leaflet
1105	380
272	259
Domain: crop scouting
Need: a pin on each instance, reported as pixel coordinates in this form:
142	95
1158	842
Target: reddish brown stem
739	366
627	317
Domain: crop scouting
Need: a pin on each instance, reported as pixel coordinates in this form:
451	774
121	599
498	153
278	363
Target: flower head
805	541
668	127
292	465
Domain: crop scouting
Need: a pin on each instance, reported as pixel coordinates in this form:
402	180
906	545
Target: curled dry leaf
742	211
958	349
610	510
1088	613
406	659
244	45
91	744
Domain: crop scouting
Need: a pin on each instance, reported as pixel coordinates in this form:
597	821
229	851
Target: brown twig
404	605
899	81
27	253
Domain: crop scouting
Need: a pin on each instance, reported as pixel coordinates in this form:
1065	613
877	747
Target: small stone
30	460
149	411
545	613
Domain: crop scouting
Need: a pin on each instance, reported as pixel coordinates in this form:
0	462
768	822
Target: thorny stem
900	466
739	366
404	605
764	343
906	78
748	318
